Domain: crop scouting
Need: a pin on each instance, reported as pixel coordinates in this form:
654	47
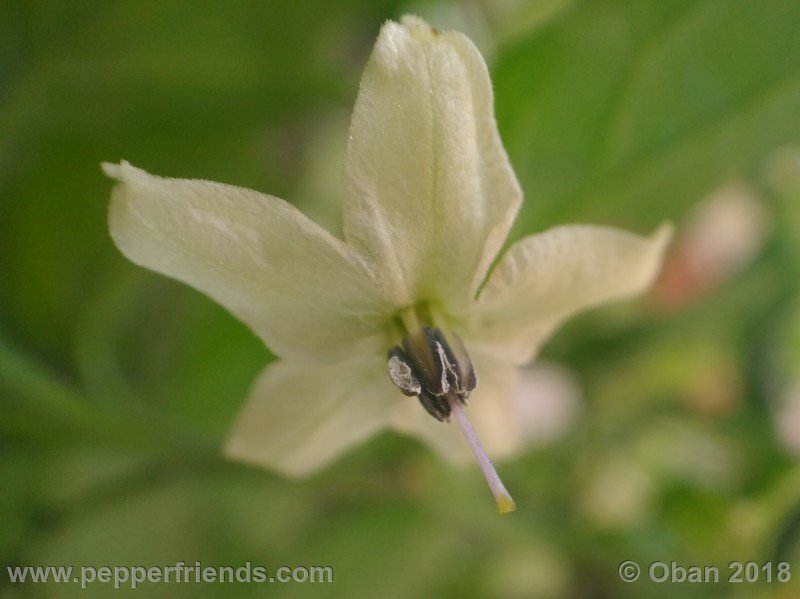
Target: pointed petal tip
235	450
111	170
417	26
237	447
422	31
663	234
410	20
115	171
660	240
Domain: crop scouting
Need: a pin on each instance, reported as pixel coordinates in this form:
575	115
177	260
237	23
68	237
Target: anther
433	366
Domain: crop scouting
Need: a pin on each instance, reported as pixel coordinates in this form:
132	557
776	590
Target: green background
117	385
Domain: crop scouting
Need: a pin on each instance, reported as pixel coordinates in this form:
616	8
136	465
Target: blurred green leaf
221	93
646	105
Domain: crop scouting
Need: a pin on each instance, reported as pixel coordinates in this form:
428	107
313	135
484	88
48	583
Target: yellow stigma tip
505	505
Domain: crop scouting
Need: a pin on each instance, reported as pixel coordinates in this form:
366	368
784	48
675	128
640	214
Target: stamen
435	366
503	500
410	320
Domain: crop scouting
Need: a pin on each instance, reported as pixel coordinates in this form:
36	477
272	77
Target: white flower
430	200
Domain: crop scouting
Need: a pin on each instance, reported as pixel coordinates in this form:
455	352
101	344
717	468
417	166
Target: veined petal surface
301	416
431	194
545	278
301	290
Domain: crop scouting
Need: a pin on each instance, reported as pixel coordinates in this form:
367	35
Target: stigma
435	367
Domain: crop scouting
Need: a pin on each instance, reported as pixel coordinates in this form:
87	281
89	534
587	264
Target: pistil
434	366
505	504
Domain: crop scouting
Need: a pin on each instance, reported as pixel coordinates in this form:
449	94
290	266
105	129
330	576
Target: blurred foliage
117	385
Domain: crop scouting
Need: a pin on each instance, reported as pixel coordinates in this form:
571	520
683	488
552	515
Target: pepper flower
412	300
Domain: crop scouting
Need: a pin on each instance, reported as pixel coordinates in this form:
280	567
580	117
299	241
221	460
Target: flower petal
431	194
300	416
297	287
491	410
545	278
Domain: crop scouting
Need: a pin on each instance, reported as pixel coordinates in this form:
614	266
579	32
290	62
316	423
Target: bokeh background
663	429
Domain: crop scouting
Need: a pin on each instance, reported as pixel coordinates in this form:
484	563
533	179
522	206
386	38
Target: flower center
434	366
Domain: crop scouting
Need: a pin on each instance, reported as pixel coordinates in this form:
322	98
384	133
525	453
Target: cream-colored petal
545	278
301	416
431	194
491	410
297	287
